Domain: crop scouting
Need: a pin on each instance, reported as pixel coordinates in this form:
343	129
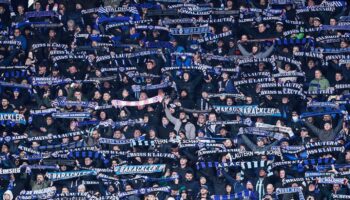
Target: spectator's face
186	76
336	187
42	70
249	186
295	49
132	30
202	180
81	189
87	161
228	143
311	187
254	49
110	189
137	133
78	6
223	132
77	95
65	140
203	191
7	197
128	188
327	118
332	22
4	102
212	117
343	44
72	69
183	93
225	76
249	100
125	93
231	44
183	161
117	134
52	33
338	77
37	6
317	23
279	28
65	190
165	121
189	177
318	74
70	24
220	43
282	174
261	28
182	115
103	115
20	9
17	32
95	135
262	173
106	96
4	149
152	133
303	133
97	95
35	144
311	64
225	29
143	96
201	119
229	102
261	67
238	177
40	178
49	121
244	38
327	126
287	67
269	189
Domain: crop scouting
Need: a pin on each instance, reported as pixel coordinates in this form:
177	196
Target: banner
120	103
249	110
139	169
58	176
13	117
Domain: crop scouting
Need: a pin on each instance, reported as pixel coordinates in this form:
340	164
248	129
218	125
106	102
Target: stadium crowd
175	99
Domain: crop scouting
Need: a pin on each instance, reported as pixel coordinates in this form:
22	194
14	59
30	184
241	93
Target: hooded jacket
322	82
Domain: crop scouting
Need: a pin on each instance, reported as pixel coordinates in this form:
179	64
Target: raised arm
267	52
249	143
339	125
243	51
168	115
313	128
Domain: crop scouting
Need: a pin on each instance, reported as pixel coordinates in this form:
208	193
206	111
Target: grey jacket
254	147
189	127
258	55
324	135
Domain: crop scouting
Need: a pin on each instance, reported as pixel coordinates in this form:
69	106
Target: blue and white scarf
143	191
139	169
58	176
71	115
248	110
190	30
12	117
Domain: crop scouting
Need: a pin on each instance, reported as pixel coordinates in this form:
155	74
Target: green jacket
323	84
